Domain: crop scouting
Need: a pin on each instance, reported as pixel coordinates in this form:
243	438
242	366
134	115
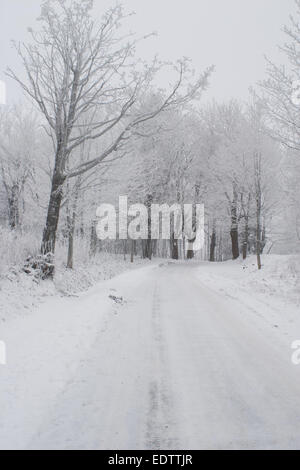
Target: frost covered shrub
39	266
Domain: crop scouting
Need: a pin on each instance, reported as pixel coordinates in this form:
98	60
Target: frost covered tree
165	172
281	90
77	66
226	123
18	148
280	97
234	136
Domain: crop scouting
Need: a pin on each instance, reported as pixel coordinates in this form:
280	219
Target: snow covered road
176	365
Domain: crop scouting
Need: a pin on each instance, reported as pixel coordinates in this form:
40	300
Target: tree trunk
263	239
220	257
94	240
258	191
234	232
147	248
246	211
71	231
258	231
71	223
246	238
49	235
13	207
258	242
174	247
235	243
213	241
190	254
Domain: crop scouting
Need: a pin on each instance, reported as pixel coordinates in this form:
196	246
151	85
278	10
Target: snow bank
279	277
21	293
272	294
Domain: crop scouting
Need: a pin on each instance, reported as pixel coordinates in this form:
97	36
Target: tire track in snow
161	424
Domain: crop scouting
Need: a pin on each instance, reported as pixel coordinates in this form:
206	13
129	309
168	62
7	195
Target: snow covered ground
273	294
20	293
169	355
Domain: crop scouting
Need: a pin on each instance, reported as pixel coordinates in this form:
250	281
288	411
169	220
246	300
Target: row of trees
221	157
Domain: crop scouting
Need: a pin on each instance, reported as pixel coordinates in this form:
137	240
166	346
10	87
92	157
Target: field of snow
168	355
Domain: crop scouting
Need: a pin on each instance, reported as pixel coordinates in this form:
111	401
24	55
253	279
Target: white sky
233	35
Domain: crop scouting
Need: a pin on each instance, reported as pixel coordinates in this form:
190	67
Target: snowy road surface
176	365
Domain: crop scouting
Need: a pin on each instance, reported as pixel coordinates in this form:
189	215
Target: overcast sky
233	35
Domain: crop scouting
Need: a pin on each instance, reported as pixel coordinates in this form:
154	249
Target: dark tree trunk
81	231
258	242
220	254
13	207
235	243
258	232
246	238
49	235
174	248
147	248
234	232
143	249
154	248
246	212
213	242
94	240
263	239
71	232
